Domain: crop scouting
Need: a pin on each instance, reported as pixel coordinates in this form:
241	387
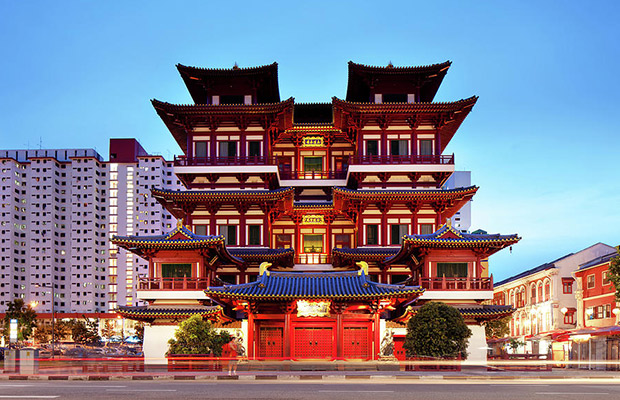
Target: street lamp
51	286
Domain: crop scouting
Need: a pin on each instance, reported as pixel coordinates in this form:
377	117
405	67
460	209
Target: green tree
614	273
107	331
43	332
497	328
197	336
437	330
25	316
85	331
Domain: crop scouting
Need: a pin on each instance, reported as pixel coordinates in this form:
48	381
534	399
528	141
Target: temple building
314	230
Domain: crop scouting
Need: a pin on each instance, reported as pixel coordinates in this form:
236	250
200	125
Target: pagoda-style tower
316	191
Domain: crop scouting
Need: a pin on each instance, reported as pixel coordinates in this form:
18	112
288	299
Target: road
431	389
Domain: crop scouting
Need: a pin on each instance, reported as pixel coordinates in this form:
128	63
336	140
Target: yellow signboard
313	220
313	308
312	141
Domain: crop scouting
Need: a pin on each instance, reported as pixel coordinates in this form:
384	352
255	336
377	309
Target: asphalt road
431	389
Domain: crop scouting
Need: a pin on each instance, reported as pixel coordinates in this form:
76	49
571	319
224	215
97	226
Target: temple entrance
271	340
315	342
356	342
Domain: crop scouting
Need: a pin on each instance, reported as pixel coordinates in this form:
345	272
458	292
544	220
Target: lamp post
51	286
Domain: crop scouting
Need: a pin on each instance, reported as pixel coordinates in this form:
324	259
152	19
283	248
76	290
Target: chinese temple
313	230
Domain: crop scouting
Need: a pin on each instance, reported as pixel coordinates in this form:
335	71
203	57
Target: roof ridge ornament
363	267
179	223
262	268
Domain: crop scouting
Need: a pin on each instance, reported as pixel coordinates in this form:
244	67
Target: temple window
176	270
254	235
372	147
452	270
201	149
395	98
426	229
228	149
397	232
200	229
372	234
313	243
398	147
230	234
232	279
398	278
254	149
232	99
342	240
313	164
426	147
283	241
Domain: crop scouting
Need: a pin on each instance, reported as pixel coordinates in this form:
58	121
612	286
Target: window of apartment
396	233
228	149
426	229
254	235
398	147
606	280
547	290
533	294
452	270
372	147
426	147
254	149
569	318
372	234
230	234
607	311
591	283
567	287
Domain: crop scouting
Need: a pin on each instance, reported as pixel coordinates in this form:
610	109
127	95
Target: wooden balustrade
467	283
173	283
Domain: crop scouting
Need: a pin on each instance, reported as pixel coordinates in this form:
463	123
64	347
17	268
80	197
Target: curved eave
378	255
221	196
404	195
148	314
243	296
393	108
486	313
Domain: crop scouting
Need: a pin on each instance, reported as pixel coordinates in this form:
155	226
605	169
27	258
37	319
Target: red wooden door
270	342
356	343
316	342
399	351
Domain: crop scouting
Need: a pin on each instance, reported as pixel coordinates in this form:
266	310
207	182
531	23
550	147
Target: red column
339	336
251	346
287	333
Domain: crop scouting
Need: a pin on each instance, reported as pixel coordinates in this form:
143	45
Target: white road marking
16	385
28	397
141	390
575	393
356	391
520	384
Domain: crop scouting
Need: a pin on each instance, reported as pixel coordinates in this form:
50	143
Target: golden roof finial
179	223
262	268
363	267
448	223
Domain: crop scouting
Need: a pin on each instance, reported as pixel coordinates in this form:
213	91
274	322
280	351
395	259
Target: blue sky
541	142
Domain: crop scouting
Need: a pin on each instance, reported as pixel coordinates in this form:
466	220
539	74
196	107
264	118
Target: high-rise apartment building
58	208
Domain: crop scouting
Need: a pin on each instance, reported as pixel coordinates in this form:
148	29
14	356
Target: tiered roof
274	286
204	82
426	79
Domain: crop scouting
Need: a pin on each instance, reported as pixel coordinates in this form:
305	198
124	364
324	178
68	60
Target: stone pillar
155	343
477	348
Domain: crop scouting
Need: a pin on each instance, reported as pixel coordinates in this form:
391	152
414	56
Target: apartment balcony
461	288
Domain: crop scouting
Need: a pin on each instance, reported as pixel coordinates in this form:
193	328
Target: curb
295	377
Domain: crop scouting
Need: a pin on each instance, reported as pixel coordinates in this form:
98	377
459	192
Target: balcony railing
405	159
288	174
456	283
173	283
183	161
312	258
